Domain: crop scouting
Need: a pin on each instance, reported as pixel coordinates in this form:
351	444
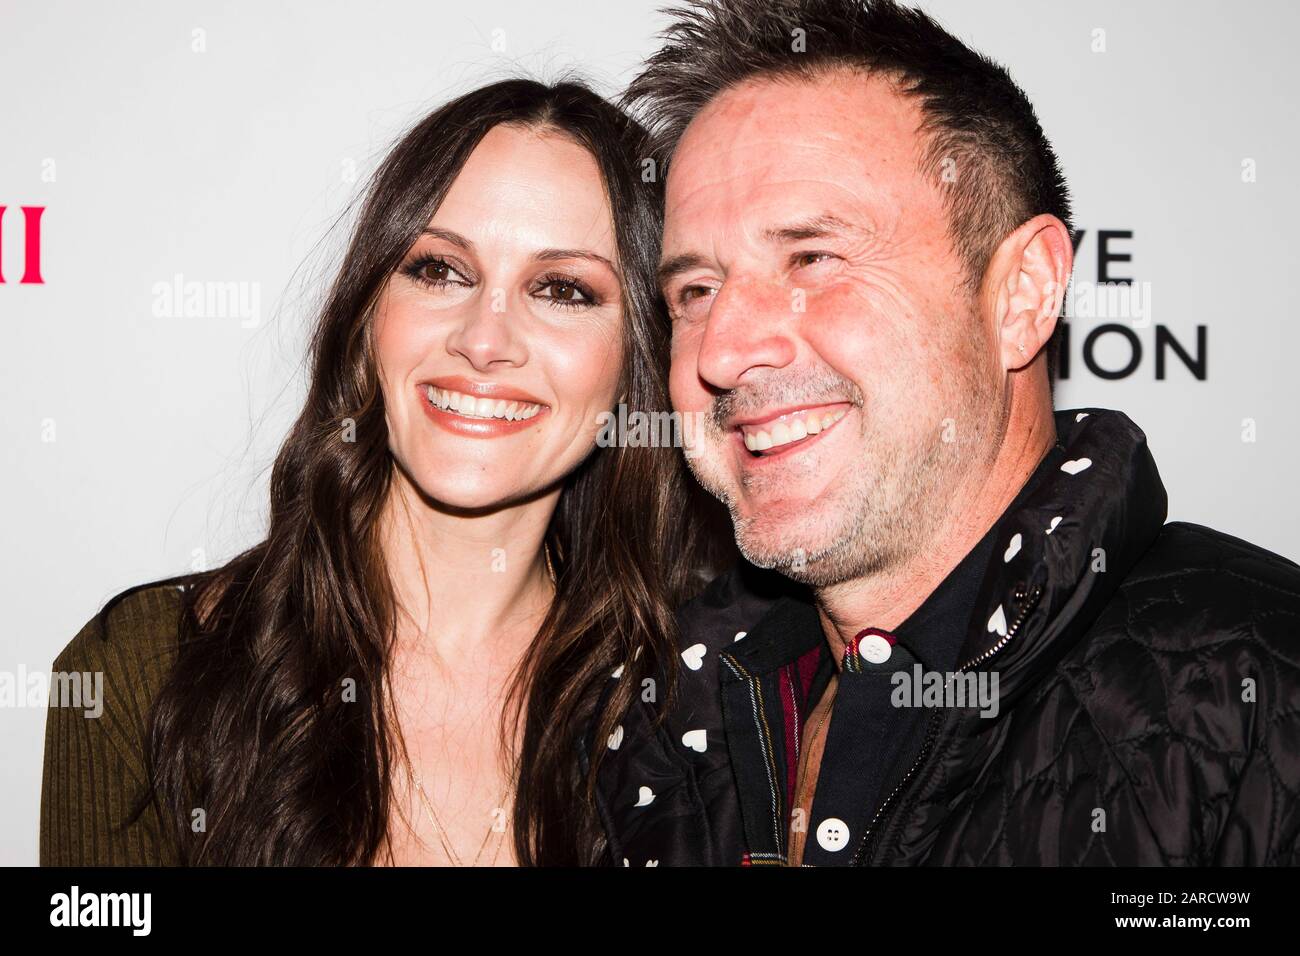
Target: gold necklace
550	568
443	836
432	814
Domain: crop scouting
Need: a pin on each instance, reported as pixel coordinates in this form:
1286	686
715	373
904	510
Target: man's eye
810	258
687	302
693	292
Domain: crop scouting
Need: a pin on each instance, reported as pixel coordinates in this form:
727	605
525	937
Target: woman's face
499	337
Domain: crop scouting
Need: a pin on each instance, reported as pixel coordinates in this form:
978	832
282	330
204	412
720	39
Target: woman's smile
478	409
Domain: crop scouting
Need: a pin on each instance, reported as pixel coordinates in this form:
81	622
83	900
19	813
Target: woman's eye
438	271
566	292
434	271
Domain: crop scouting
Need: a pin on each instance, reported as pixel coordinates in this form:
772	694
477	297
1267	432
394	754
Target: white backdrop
219	142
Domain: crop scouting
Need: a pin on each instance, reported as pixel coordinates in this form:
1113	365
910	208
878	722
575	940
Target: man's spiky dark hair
978	122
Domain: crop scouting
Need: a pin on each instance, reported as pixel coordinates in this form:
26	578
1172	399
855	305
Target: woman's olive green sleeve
102	685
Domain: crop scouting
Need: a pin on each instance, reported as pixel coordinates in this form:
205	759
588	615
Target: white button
832	834
875	649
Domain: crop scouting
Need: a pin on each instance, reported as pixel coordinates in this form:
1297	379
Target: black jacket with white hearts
1147	701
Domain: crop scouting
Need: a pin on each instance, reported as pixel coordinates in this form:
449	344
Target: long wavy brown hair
252	724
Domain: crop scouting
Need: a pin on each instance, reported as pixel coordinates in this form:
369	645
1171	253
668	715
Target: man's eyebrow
676	265
815	227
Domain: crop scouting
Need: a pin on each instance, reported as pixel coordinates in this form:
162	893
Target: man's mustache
752	399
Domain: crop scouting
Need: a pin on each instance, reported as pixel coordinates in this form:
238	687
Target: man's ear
1025	283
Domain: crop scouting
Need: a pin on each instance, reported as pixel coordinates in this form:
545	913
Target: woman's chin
473	494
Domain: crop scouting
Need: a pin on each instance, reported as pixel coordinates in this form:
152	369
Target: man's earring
1021	346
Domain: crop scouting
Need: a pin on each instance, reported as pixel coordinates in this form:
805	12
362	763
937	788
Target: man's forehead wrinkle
753	119
810	227
857	201
851	156
775	156
809	134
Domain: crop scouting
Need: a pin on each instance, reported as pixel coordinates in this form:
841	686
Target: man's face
820	322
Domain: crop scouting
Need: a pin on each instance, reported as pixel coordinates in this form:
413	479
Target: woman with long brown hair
453	568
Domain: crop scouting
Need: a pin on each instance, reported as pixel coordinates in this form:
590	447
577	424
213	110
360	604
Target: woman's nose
486	335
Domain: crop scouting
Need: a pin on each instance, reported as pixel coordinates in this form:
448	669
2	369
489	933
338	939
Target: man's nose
751	325
486	334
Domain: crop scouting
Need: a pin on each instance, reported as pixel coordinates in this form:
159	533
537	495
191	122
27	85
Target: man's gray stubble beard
889	522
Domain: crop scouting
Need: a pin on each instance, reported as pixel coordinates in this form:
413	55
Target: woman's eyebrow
455	238
548	255
544	255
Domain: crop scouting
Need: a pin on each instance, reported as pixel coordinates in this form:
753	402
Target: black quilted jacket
1148	714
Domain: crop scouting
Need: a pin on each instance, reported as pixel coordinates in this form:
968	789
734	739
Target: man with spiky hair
866	248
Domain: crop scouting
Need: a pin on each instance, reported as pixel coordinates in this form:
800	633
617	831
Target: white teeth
789	430
472	407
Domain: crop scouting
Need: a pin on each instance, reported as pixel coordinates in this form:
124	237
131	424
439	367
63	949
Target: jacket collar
1061	554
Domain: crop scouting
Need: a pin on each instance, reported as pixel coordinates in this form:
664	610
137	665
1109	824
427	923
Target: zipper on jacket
869	835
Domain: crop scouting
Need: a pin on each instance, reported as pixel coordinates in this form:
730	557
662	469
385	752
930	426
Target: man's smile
779	432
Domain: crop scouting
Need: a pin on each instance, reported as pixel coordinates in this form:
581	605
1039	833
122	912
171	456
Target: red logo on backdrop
31	245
